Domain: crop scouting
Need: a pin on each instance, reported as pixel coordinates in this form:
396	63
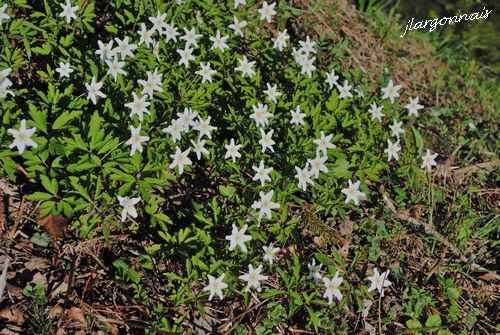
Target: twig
3	277
417	224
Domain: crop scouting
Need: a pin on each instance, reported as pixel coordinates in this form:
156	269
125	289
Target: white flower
4	85
204	127
206	72
376	112
219	42
170	32
253	278
106	51
136	139
128	206
262	173
307	66
4	88
4	80
267	11
314	271
188	117
260	114
413	106
324	143
299	55
115	68
186	56
139	106
22	137
215	286
265	205
429	160
94	89
146	36
238	238
239	2
331	79
158	21
156	49
332	287
124	48
280	41
199	148
359	92
68	12
297	116
308	46
175	130
391	91
245	67
232	150
318	165
64	69
272	93
353	193
270	253
345	91
266	140
191	37
379	281
180	159
237	26
396	128
303	176
392	150
152	84
3	14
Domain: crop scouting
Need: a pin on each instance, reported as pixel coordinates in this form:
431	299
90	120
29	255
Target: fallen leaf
346	227
76	314
489	276
55	226
39	278
61	289
36	263
55	311
319	241
13	315
6	331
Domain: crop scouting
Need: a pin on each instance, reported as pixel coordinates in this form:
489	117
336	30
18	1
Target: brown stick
427	228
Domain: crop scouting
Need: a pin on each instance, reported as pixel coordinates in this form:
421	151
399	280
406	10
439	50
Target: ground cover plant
242	167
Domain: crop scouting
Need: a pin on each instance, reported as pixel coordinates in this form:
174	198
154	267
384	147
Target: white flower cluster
114	56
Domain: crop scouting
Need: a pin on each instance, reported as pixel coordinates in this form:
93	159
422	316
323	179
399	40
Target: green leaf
419	142
38	117
39	196
227	191
433	321
64	118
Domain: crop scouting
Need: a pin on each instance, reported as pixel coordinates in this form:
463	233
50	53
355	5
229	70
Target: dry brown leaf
319	241
61	289
55	311
76	314
39	278
346	227
36	263
489	276
7	331
13	315
55	226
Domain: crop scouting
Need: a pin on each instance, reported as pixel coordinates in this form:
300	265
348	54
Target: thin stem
431	198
